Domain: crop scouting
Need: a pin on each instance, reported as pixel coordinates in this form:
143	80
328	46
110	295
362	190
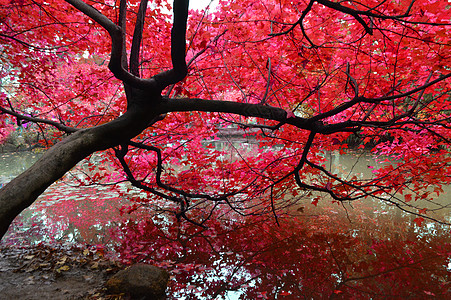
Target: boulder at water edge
140	281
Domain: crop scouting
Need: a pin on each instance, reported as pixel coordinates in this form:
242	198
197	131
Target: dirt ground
45	272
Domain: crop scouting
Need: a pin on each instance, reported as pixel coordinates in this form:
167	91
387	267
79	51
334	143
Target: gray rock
140	281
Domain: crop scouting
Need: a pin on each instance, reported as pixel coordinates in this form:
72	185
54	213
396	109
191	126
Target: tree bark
22	191
144	104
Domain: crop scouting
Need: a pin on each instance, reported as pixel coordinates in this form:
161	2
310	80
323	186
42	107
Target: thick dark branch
178	47
96	15
24	189
137	38
358	13
116	64
122	22
243	109
178	39
349	11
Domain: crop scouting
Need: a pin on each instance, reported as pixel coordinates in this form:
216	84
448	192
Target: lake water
12	164
304	258
109	200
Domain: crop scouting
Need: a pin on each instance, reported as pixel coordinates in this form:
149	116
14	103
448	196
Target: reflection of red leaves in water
76	214
314	256
418	221
308	257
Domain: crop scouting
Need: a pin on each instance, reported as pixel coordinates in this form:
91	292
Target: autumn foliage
241	121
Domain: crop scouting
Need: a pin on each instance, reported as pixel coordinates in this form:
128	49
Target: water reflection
70	215
12	164
319	252
313	258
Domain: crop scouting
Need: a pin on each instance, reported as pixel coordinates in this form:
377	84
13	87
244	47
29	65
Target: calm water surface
71	214
12	164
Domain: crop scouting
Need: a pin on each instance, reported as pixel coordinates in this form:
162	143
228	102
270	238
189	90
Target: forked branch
117	47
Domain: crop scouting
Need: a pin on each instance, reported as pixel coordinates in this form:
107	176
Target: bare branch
362	99
116	64
418	89
268	81
178	47
349	11
300	23
122	22
137	38
352	81
243	109
57	125
96	15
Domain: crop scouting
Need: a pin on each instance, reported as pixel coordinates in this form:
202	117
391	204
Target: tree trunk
22	191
